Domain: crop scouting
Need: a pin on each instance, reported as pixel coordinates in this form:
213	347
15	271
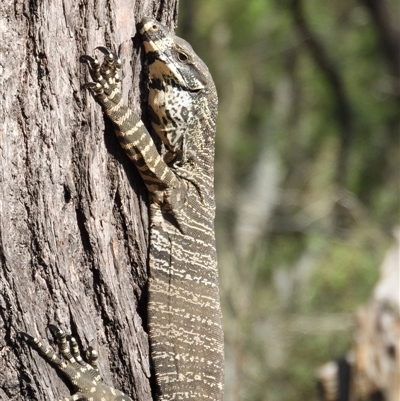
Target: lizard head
182	95
172	56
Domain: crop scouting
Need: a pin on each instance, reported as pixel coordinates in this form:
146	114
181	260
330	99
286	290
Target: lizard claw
111	57
93	357
93	86
93	62
54	329
107	52
104	50
26	337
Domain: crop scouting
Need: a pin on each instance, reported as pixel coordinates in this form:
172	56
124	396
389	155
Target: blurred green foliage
307	179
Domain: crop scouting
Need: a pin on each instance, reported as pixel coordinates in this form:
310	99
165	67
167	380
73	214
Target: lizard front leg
131	132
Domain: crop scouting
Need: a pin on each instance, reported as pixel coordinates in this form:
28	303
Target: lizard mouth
169	57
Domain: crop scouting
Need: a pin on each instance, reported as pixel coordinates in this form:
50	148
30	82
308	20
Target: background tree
73	210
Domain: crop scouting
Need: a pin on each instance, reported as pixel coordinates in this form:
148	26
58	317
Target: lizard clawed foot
69	350
83	375
95	87
107	82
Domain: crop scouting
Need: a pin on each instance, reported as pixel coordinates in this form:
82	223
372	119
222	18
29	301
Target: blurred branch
337	86
389	33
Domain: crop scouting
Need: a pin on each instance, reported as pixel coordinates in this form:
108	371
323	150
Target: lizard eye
182	57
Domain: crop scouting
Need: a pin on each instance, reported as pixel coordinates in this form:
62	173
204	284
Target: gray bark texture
73	209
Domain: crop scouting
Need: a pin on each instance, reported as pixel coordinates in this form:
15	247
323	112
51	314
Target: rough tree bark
389	34
73	210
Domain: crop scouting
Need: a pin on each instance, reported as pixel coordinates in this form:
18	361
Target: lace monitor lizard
184	318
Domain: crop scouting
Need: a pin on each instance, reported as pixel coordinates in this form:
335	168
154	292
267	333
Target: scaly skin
83	376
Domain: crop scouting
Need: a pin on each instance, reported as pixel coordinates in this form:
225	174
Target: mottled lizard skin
83	376
184	317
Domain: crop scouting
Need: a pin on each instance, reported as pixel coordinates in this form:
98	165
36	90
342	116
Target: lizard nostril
154	27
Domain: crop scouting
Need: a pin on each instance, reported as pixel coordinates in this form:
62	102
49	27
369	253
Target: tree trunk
389	34
343	108
73	209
